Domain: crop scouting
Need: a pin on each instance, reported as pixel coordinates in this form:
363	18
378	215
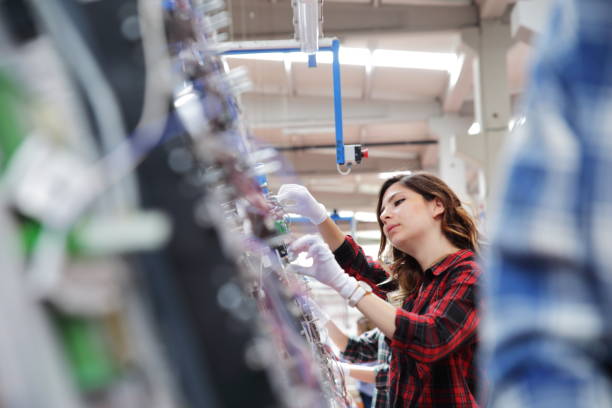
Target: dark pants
367	399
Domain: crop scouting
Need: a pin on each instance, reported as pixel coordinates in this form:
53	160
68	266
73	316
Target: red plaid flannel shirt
434	345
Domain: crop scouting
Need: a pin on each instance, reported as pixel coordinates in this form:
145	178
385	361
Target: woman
432	280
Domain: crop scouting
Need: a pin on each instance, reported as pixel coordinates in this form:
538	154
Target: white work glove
297	199
324	267
317	312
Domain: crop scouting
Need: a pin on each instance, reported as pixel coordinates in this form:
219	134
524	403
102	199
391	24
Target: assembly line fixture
346	155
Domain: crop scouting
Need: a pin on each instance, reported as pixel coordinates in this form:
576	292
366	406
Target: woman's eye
398	202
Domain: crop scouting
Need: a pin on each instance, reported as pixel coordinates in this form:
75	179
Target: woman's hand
324	267
297	199
327	271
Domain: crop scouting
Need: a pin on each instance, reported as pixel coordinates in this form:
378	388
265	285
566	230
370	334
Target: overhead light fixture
370	234
474	129
365	216
516	122
389	174
308	130
414	59
368	188
511	124
335	188
455	71
348	56
370	250
440	61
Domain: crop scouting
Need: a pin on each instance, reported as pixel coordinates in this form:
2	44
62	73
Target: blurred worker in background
548	336
431	327
366	389
366	347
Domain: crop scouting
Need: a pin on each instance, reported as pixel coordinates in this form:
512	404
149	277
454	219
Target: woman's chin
397	242
401	243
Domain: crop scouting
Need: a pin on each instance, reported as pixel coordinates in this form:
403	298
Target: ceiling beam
289	76
459	83
368	81
460	80
493	8
259	19
528	19
445	3
450	125
274	111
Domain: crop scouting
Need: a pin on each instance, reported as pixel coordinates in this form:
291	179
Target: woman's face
407	217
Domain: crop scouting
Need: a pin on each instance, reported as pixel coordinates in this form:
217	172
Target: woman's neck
432	250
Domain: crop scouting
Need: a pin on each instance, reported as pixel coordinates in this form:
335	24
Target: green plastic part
30	232
88	354
12	121
281	227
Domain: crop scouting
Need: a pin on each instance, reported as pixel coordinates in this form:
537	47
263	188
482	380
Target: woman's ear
437	207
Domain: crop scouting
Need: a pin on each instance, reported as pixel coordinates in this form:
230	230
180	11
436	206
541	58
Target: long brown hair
456	223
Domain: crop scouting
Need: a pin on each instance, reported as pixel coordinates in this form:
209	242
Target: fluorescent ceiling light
366	216
367	188
474	129
455	71
373	234
346	214
370	250
308	130
513	123
364	57
414	59
389	174
336	188
348	56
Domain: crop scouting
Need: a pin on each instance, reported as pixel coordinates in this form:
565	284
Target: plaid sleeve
382	377
353	260
362	349
547	338
448	323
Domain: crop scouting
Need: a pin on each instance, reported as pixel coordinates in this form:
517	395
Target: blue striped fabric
548	330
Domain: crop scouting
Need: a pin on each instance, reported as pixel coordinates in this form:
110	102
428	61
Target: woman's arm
449	323
353	260
351	257
380	313
339	338
362	373
331	234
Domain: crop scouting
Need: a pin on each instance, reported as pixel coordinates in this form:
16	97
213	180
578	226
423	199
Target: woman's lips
391	228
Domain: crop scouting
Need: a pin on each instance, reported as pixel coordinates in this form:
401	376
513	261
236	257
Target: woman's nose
384	215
